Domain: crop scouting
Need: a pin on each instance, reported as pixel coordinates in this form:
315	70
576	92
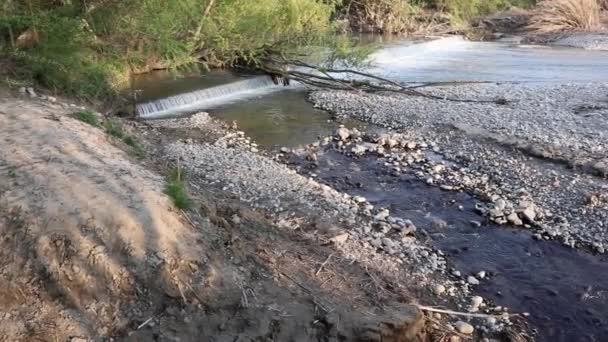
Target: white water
205	98
455	59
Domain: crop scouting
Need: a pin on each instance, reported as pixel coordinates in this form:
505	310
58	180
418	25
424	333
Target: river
564	290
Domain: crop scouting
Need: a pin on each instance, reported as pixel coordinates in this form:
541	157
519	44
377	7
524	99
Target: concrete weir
205	98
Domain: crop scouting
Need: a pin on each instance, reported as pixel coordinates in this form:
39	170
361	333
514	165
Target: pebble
359	199
439	224
472	280
439	289
464	328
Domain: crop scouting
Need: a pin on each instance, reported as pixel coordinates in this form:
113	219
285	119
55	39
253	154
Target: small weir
202	99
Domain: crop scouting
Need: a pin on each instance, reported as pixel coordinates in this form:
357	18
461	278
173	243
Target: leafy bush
87	117
114	128
386	16
399	16
566	15
176	189
462	11
135	145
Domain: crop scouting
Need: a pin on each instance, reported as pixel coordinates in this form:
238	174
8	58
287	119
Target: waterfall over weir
205	98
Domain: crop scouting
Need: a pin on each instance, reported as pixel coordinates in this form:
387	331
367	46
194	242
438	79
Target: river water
564	290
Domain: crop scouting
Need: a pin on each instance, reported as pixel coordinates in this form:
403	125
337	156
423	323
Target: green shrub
176	189
87	117
114	128
136	146
462	11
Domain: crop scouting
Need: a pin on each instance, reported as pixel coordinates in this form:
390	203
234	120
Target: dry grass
566	15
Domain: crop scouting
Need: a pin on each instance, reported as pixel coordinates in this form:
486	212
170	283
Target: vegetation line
91	49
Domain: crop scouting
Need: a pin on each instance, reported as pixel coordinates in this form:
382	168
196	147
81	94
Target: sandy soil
91	249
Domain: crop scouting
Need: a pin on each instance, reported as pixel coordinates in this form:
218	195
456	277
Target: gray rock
359	149
376	243
514	219
388	242
438	223
359	199
472	280
343	133
438	289
382	215
464	328
31	92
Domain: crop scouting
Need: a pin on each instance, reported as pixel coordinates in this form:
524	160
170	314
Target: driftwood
283	70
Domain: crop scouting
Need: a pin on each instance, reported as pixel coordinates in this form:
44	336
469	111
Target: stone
500	204
464	327
343	133
340	239
359	149
359	199
30	91
476	301
439	289
439	224
529	214
475	224
388	242
472	280
438	168
284	150
481	274
376	243
514	219
22	90
382	215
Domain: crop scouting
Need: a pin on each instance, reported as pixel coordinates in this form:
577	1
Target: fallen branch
323	264
350	79
457	313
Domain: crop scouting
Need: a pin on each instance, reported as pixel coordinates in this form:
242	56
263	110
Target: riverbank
281	254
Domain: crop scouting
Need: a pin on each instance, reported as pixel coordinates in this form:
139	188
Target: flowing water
564	290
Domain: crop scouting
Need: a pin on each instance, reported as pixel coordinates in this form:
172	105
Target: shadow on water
564	290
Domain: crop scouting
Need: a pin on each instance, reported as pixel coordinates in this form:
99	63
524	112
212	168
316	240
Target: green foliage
114	128
87	117
176	189
89	49
404	16
135	145
462	11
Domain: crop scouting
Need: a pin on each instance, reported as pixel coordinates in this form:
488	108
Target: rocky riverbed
283	185
492	145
